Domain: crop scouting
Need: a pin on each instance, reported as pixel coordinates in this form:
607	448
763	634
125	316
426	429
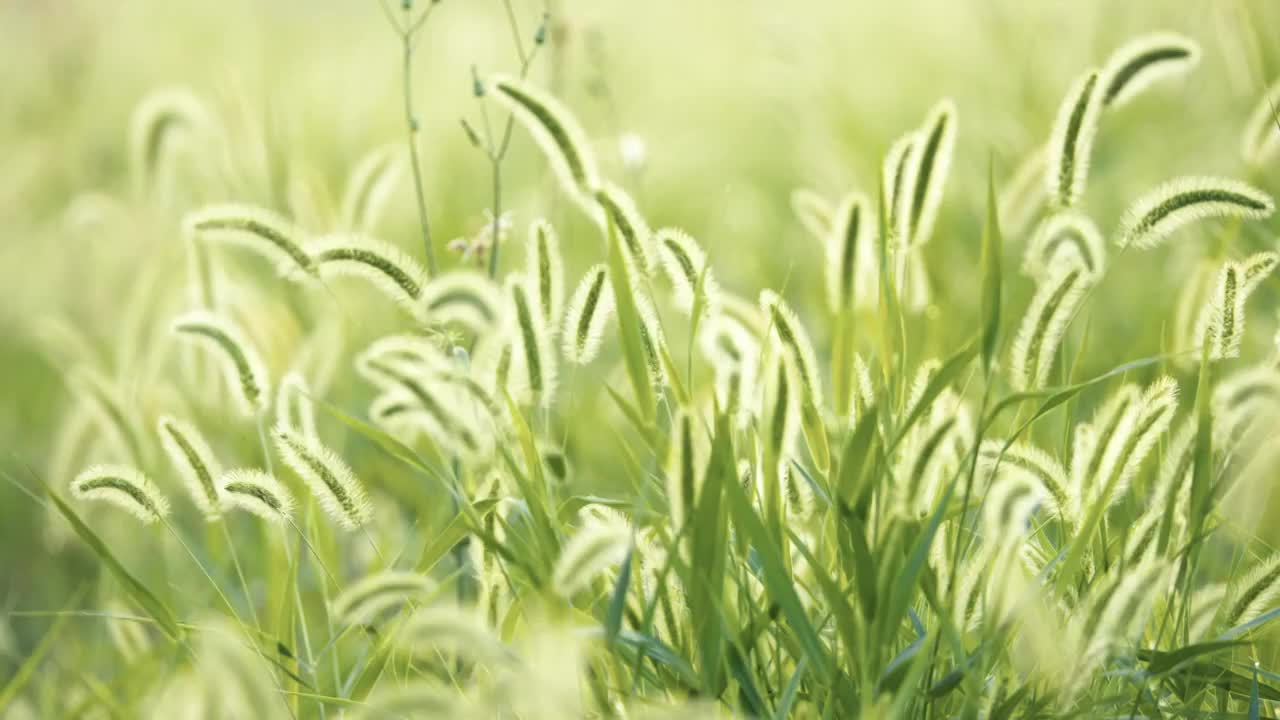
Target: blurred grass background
738	103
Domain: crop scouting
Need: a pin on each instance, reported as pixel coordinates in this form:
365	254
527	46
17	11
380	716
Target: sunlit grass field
557	359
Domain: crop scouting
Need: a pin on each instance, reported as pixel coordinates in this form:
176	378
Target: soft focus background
735	103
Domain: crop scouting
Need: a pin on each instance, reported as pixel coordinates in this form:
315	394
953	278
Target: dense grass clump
978	422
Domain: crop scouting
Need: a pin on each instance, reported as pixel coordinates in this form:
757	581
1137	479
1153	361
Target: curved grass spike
533	342
1037	465
262	231
632	228
328	476
389	269
369	185
589	312
1222	325
897	177
1096	440
152	123
243	367
1043	327
813	211
1261	140
795	341
686	266
1063	240
592	550
103	400
258	493
443	630
195	462
465	297
1184	200
1071	141
123	487
393	375
294	409
850	272
1143	61
1024	195
367	598
545	269
1133	442
1253	594
554	129
933	164
734	355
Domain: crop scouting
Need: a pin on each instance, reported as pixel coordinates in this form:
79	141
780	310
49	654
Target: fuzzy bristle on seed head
124	487
1261	140
1221	323
388	268
369	186
933	165
813	211
152	125
1254	593
258	493
242	365
1184	200
365	600
1035	464
554	129
1145	60
1022	197
1054	304
533	355
794	340
328	476
465	297
589	552
851	263
545	270
1071	141
686	267
257	229
294	409
897	177
195	462
1062	240
590	309
619	210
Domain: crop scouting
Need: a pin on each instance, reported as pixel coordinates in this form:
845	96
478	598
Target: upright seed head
1044	325
589	312
686	266
852	272
618	208
545	270
815	213
897	178
933	164
369	186
1071	142
294	409
533	352
795	343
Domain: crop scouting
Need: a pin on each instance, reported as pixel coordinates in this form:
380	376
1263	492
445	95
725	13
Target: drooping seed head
1022	197
554	129
256	229
465	297
258	493
195	462
160	118
369	186
1071	141
590	551
1184	200
1145	60
385	266
294	409
1063	240
124	487
1036	465
686	266
245	372
365	600
590	309
1261	140
1254	593
328	476
617	208
1040	334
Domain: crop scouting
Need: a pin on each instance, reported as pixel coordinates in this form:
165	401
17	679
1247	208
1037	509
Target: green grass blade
992	250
